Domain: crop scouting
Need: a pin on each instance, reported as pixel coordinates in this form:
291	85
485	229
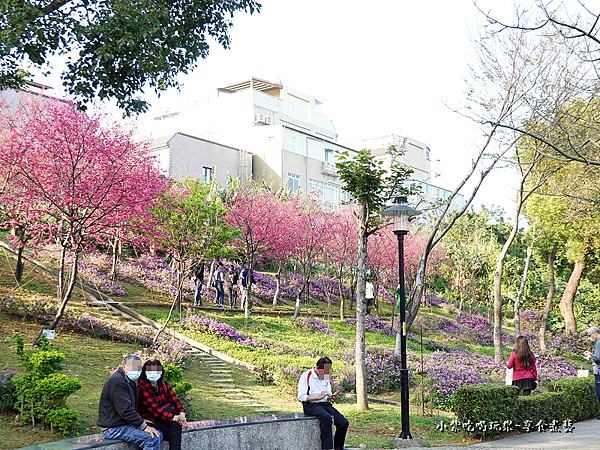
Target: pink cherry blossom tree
342	249
265	225
315	230
85	178
383	257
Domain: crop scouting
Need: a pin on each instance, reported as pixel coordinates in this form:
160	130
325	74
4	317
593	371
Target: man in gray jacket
594	356
117	412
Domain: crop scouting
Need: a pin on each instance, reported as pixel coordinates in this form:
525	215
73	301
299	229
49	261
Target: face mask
134	374
153	377
326	377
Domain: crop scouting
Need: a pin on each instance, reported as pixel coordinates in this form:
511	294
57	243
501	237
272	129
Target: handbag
167	407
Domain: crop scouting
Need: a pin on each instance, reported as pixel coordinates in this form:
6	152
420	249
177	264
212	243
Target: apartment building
181	156
292	143
417	156
11	98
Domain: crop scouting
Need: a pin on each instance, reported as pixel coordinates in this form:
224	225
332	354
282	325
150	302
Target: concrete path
585	436
223	381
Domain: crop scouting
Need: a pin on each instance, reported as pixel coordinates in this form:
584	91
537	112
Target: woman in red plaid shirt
159	405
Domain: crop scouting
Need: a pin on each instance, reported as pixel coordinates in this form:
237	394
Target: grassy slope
89	358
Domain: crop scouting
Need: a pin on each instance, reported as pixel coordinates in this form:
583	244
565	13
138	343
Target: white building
292	142
416	156
11	98
183	156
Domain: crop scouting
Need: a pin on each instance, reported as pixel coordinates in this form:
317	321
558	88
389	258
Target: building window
294	145
206	174
293	182
326	192
329	155
346	197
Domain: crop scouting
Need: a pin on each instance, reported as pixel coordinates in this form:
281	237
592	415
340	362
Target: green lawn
91	360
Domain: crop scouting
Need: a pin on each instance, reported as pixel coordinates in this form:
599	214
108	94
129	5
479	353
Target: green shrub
7	390
41	393
173	375
579	397
569	398
545	407
486	402
63	419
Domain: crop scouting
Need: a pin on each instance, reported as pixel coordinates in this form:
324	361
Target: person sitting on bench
314	391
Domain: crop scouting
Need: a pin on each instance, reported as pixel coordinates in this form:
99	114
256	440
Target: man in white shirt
369	295
314	391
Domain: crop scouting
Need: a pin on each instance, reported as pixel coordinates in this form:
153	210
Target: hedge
579	397
485	402
570	398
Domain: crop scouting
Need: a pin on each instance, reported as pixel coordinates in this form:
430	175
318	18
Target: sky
379	67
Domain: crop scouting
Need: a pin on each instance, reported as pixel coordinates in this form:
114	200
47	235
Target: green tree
116	48
371	187
472	246
189	224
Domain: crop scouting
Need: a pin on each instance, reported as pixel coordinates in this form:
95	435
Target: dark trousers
220	293
597	380
232	296
198	293
171	433
329	416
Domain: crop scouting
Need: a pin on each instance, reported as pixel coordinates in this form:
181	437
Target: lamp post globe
401	212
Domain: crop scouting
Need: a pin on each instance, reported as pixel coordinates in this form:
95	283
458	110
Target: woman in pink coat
523	362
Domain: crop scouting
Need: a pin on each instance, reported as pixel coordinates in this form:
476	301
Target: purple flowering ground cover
451	357
43	310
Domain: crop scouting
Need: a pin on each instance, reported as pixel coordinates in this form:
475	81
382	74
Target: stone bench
271	432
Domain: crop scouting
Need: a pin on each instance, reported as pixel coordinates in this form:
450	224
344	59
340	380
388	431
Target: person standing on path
231	283
244	285
369	295
314	391
523	362
198	277
117	411
219	286
594	356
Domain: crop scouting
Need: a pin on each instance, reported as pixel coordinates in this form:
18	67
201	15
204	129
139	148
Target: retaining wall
274	432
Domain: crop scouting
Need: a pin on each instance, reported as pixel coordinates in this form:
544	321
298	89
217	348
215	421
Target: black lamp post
400	211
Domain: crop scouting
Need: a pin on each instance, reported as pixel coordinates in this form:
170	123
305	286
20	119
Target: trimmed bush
486	402
570	398
579	397
545	407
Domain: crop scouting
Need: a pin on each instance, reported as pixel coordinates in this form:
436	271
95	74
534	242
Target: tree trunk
115	259
248	305
342	300
549	298
65	299
278	278
361	274
412	307
20	265
307	285
376	299
61	272
566	302
498	273
521	290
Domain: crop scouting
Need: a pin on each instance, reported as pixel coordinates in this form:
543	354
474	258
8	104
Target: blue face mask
153	377
134	374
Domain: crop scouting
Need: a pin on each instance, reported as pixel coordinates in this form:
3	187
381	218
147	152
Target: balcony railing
329	169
